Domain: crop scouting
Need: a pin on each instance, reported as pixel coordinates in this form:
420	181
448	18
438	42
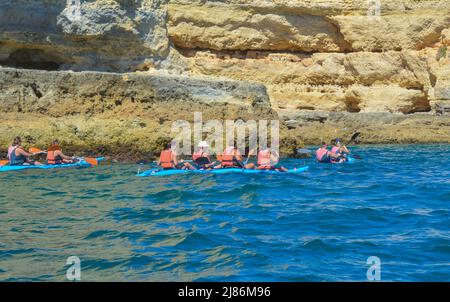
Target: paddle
352	139
250	153
36	151
90	160
4	162
354	136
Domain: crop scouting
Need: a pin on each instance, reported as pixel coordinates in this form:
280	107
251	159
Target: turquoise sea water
318	226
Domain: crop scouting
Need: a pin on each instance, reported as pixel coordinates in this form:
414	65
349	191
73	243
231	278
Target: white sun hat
203	144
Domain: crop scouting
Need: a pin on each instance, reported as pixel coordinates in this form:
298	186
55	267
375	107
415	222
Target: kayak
81	163
156	172
349	160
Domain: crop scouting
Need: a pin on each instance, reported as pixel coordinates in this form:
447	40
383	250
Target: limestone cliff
324	68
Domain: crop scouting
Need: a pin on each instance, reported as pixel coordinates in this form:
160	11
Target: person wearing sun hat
201	158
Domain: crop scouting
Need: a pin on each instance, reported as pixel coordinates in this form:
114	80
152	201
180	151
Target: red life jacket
335	150
264	159
320	153
52	159
228	156
165	159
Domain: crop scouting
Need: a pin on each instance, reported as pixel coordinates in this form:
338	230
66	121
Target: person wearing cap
201	159
323	155
339	149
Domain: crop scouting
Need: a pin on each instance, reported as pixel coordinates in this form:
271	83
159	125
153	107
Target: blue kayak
156	172
349	160
81	163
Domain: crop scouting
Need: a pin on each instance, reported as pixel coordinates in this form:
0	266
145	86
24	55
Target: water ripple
318	226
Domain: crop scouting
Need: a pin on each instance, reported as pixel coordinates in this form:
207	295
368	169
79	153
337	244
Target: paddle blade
35	150
354	137
4	162
92	161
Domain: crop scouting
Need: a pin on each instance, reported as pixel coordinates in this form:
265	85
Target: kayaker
17	156
323	155
267	160
55	156
231	158
201	158
339	149
168	159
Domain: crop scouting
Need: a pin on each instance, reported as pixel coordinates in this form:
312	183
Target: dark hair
324	143
17	140
169	146
55	142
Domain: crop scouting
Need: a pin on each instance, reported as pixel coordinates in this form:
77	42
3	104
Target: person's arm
23	152
332	155
345	149
274	158
238	155
174	158
60	154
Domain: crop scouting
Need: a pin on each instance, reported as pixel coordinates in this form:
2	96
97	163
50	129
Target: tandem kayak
349	160
81	163
156	172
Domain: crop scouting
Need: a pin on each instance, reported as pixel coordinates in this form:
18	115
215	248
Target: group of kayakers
231	157
267	158
338	153
17	156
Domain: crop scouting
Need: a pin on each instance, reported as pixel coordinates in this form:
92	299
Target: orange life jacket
52	159
264	159
165	159
227	158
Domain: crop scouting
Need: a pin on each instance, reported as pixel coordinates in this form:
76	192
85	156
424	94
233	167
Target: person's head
338	142
168	146
17	141
55	143
324	145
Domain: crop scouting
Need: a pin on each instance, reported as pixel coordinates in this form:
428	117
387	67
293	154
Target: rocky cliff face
321	55
324	68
